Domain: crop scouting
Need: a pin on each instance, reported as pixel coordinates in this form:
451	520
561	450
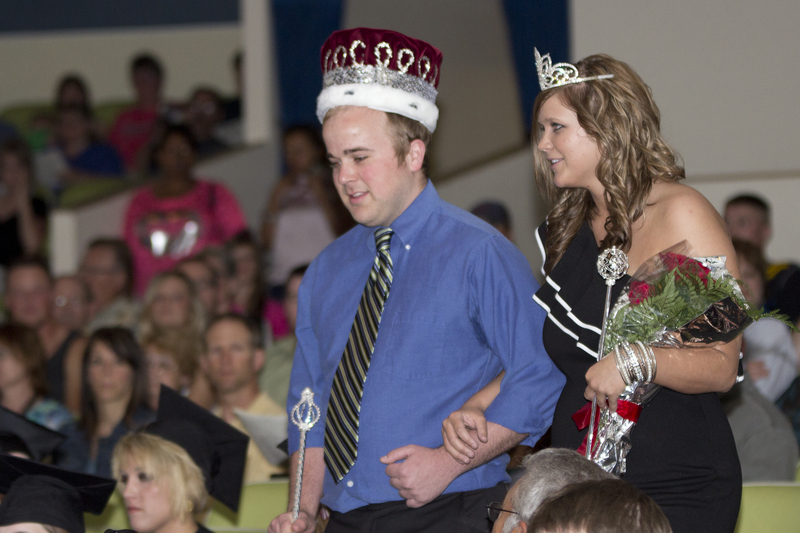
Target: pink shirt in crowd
162	231
131	131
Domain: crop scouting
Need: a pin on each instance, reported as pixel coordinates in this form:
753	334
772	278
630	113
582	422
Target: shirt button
408	246
350	483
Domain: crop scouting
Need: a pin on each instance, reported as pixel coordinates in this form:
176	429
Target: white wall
32	64
723	73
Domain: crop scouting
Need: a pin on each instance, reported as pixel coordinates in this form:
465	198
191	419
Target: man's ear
416	155
521	527
258	360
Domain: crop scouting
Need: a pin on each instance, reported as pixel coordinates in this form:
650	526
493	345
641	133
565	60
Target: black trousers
458	512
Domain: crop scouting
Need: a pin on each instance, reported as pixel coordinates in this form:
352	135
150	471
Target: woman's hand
604	382
462	431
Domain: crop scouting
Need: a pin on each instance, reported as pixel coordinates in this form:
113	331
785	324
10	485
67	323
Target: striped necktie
344	406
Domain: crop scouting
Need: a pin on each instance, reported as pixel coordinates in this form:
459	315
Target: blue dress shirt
460	310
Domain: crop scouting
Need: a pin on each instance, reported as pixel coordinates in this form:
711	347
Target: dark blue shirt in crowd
98	159
74	454
459	311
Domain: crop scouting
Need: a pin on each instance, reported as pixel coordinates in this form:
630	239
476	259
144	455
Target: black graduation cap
18	434
45	494
219	449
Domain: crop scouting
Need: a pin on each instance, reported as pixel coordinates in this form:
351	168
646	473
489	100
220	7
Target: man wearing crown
406	316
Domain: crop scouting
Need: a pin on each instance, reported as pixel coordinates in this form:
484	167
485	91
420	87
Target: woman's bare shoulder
680	213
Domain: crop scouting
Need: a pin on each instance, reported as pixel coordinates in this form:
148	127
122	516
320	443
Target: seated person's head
74	125
748	219
29	292
205	280
113	373
233	354
107	269
204	113
546	472
147	77
16	164
170	301
72	90
495	214
290	296
303	149
753	270
605	506
244	254
22	367
71	301
171	361
176	151
160	483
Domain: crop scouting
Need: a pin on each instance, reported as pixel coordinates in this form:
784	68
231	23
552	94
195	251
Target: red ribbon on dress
625	409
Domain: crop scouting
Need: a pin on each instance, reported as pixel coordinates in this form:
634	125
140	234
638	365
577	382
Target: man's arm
425	473
313	476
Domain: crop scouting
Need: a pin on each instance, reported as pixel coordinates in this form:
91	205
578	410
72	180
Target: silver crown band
559	74
382	76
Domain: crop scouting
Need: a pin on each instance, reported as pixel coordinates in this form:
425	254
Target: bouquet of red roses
671	300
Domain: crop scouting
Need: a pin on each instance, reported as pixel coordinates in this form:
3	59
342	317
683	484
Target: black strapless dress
683	454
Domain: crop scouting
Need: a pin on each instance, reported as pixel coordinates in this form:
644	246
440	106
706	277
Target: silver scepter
612	265
304	415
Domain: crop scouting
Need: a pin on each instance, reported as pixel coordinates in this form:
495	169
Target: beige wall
31	64
723	73
478	98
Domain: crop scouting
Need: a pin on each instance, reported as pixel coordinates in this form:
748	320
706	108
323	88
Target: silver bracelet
637	373
622	366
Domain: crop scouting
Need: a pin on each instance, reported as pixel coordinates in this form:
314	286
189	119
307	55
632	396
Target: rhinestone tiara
551	75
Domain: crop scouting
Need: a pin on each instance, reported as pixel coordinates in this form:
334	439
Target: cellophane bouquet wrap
673	300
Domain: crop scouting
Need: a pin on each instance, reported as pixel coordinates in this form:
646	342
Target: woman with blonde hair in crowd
167	472
611	179
163	488
171	304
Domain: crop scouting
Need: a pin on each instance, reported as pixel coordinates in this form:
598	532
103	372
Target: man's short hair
122	257
547	472
600	506
147	62
751	200
247	323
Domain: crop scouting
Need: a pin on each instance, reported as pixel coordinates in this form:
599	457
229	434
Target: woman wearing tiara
611	180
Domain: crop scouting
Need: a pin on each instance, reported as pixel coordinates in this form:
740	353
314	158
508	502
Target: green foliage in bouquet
672	299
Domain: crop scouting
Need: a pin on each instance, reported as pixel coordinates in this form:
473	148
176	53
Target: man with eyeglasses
545	473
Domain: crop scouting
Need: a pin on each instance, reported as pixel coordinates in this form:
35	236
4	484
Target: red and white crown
382	70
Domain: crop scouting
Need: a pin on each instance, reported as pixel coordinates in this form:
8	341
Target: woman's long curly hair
618	114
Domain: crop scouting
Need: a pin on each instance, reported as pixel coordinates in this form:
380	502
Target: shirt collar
411	221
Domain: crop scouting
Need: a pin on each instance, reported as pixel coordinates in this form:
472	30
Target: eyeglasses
494	510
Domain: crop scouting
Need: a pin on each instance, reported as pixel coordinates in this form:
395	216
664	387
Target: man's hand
283	523
423	474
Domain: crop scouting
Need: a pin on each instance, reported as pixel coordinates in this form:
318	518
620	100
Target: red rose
686	265
639	292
